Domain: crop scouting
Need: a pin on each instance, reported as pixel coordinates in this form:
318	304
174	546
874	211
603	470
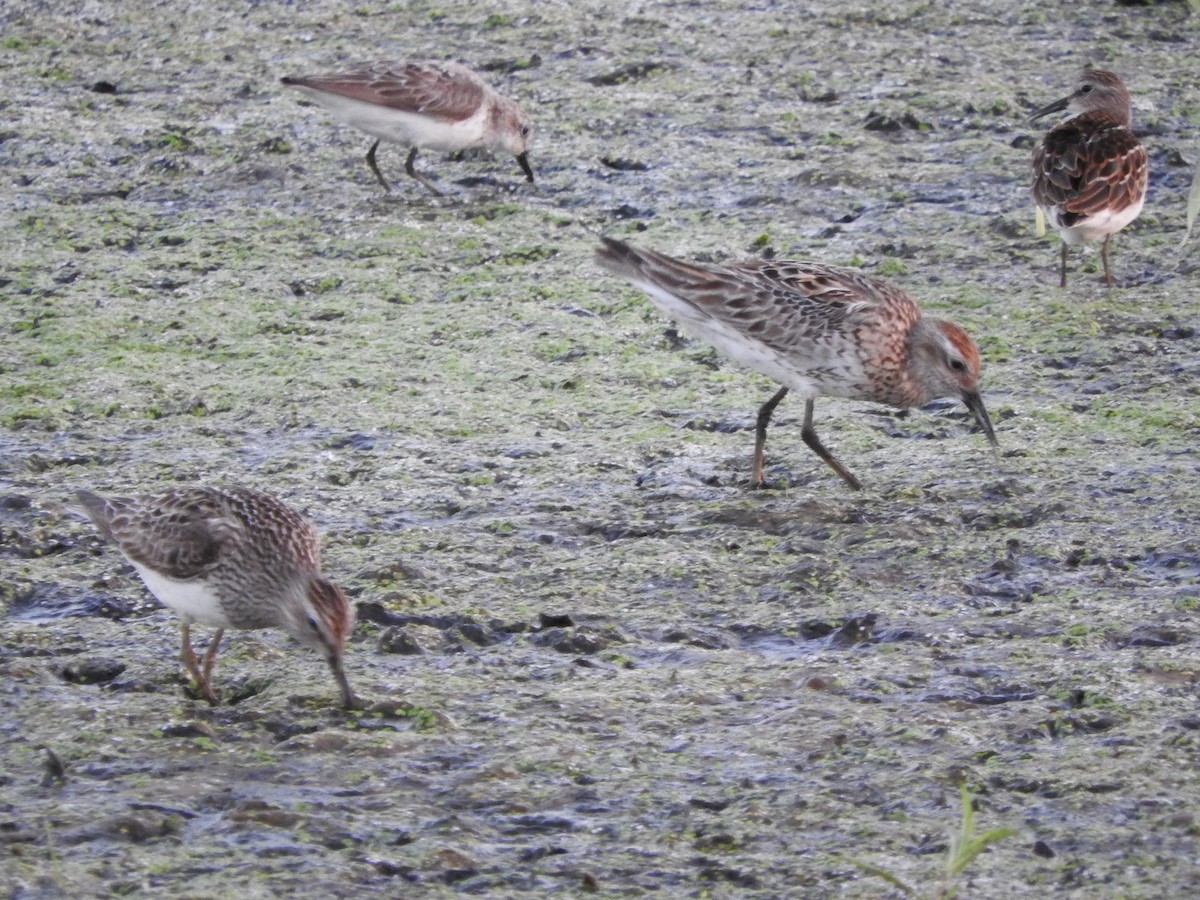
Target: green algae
469	407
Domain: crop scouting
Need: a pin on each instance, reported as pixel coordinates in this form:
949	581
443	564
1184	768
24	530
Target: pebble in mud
399	640
96	670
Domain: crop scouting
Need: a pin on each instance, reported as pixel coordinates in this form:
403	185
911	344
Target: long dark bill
523	160
1056	106
975	405
349	700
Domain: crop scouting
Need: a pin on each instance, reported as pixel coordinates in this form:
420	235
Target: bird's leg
411	170
1104	256
1062	278
814	444
199	675
189	655
760	436
375	168
210	657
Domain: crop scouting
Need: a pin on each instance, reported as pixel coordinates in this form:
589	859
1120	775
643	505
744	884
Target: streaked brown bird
1089	172
230	558
818	330
434	105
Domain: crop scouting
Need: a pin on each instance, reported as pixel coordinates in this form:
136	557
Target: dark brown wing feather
180	534
777	303
1086	164
441	90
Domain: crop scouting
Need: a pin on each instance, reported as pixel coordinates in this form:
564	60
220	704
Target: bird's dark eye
312	623
958	365
1085	89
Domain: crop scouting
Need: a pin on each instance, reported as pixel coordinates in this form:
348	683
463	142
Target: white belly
1095	227
194	600
412	129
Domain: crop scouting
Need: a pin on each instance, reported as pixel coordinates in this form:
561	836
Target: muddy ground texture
597	661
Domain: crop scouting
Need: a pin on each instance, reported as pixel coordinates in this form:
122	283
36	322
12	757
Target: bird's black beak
523	160
1056	106
349	698
975	405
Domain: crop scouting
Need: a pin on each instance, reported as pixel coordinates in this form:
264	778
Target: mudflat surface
598	662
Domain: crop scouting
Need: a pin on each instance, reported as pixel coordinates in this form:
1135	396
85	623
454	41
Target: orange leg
210	655
200	675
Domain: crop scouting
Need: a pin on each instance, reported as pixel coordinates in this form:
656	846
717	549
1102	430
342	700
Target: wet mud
596	662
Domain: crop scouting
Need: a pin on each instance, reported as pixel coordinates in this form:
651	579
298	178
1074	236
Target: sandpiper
818	330
230	558
439	105
1089	172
